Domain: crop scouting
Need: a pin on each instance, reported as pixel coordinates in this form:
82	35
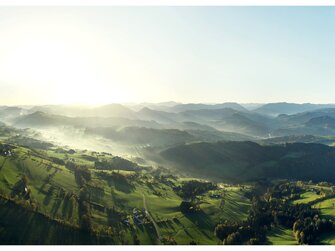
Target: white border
167	2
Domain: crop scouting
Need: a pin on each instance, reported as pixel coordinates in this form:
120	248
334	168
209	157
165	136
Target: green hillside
246	161
221	193
87	197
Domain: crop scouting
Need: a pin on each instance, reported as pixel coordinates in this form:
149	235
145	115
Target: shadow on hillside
55	206
20	226
201	220
67	209
123	187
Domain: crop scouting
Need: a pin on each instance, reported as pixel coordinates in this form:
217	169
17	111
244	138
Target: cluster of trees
286	214
21	195
168	240
224	229
116	163
84	210
82	175
234	233
189	207
284	191
21	188
190	189
271	209
308	229
166	179
120	180
57	161
29	142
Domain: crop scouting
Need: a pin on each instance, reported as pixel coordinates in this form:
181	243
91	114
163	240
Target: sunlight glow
107	55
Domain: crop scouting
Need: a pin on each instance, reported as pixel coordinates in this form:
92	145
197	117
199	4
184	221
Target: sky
100	55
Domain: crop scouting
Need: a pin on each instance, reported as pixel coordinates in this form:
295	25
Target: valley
184	174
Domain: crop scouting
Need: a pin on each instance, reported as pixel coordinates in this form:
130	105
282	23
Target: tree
136	240
254	241
233	239
24	180
187	207
85	223
223	230
192	242
168	240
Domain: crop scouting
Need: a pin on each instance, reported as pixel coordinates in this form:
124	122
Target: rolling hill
206	123
143	135
158	116
318	123
42	119
111	110
246	161
240	123
9	113
323	121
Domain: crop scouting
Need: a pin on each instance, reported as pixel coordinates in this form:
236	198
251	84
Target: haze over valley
158	153
167	125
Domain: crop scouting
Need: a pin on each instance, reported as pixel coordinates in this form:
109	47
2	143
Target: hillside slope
245	161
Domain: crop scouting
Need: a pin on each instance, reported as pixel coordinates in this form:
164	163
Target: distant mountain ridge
274	109
111	110
199	106
42	119
207	119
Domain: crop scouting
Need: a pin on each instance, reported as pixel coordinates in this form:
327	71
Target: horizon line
162	102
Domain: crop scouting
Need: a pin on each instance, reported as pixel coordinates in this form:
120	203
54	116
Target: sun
65	73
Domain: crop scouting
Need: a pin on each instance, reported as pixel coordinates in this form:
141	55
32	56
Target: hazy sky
188	54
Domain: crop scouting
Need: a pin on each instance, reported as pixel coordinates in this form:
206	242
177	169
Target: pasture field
324	204
281	236
54	191
63	192
307	197
327	207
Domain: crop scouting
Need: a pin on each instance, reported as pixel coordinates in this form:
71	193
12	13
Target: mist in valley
167	125
145	131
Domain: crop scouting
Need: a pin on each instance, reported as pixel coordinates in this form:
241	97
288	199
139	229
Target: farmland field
281	236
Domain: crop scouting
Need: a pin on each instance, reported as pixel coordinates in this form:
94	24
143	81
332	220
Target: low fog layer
139	129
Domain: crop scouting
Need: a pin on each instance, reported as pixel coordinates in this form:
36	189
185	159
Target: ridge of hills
246	161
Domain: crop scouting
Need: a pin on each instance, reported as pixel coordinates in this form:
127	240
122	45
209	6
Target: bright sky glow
101	55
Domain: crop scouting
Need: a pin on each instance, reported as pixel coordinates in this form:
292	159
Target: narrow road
152	220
